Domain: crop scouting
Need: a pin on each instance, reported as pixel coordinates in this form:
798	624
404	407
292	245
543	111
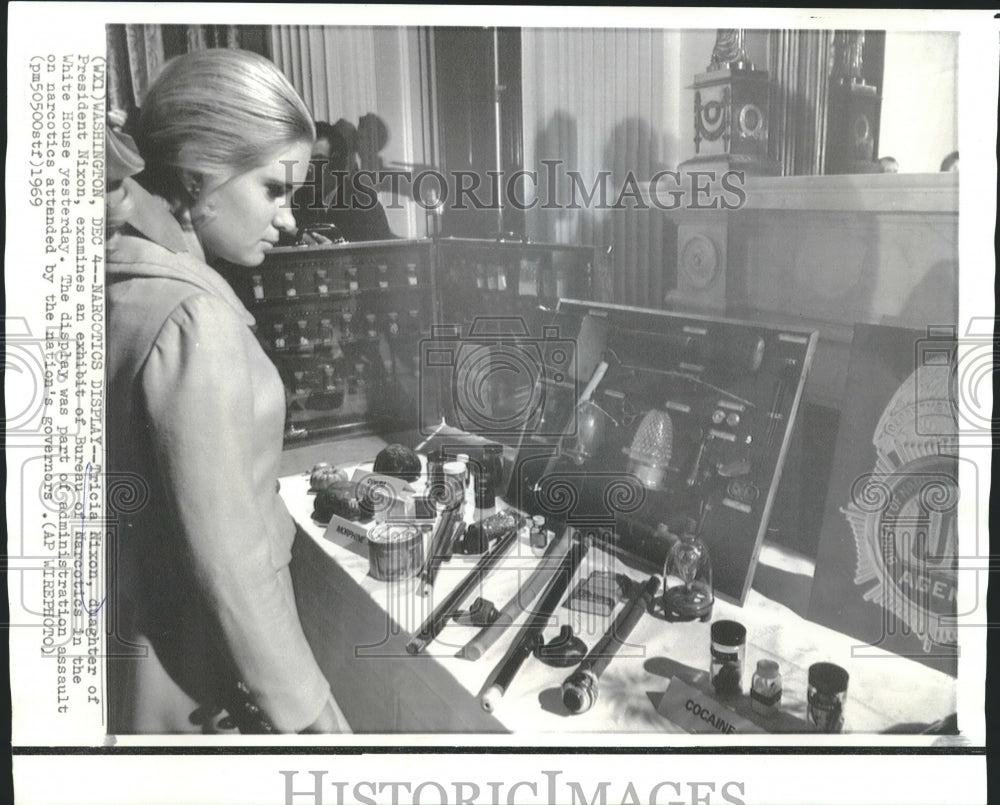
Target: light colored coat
199	590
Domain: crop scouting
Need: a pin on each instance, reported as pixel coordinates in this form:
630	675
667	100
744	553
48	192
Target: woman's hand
320	235
314	239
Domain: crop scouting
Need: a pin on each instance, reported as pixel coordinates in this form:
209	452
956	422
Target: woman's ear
191	181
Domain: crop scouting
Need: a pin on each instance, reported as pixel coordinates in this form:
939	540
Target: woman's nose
284	219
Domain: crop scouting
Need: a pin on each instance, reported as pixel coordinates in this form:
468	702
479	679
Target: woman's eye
276	191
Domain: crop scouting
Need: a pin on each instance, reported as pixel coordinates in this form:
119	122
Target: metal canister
395	551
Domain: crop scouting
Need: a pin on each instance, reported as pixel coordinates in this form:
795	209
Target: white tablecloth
886	692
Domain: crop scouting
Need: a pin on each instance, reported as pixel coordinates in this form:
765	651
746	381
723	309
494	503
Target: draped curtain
370	78
333	68
136	53
799	63
603	100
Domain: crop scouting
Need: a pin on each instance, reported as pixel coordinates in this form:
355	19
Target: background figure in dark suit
345	202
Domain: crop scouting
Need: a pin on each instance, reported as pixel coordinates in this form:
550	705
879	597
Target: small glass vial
765	689
328	380
258	287
491	277
539	540
325	331
370	326
303	334
411	275
501	278
393	325
827	696
352	279
347	326
322	283
279	336
729	640
383	277
290	283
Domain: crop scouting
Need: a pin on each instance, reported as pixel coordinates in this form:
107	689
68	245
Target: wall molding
878	192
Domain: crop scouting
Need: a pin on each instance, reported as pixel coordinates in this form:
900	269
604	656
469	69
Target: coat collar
160	249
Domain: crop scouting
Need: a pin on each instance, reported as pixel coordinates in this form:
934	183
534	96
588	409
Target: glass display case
345	323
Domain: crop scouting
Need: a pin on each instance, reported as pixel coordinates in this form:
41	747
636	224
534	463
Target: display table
359	627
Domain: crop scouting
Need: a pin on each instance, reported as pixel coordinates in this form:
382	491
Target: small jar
728	651
539	540
765	689
827	696
454	484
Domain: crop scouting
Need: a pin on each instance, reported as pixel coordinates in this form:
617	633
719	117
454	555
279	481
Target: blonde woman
206	636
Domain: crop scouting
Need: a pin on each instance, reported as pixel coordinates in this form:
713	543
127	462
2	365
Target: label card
697	712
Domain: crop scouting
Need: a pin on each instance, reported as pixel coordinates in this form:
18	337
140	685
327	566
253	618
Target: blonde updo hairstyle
213	112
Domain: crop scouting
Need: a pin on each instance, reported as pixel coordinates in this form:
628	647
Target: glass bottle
322	284
765	689
493	466
279	335
303	335
352	279
326	332
290	283
347	326
258	287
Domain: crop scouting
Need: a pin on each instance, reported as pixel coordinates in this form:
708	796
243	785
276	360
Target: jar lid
453	468
767	668
729	633
390	533
828	678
